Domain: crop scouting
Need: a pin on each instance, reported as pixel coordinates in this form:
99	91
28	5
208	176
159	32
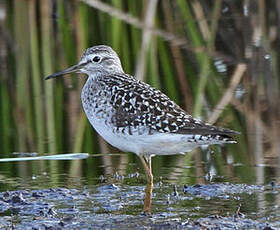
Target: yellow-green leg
147	164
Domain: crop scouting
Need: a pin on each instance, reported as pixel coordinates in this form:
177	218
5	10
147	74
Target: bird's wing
138	104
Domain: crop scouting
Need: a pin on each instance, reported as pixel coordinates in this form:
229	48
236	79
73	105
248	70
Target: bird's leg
147	163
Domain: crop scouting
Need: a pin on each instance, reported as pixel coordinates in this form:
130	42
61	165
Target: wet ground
51	199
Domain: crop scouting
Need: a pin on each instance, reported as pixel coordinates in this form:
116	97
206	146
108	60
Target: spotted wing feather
138	104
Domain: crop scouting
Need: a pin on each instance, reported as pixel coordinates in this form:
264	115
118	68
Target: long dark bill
72	69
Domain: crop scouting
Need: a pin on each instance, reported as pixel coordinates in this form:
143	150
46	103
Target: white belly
158	144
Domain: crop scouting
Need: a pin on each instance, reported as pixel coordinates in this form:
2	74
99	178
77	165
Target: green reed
47	115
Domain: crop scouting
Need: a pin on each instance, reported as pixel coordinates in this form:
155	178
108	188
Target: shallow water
70	194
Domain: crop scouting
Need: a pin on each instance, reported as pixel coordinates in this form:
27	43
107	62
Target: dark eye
96	59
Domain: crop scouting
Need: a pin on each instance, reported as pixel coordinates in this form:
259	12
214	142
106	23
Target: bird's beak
72	69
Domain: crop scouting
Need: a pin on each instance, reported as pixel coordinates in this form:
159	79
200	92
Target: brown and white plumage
133	116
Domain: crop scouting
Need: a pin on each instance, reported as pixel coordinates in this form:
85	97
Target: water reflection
195	167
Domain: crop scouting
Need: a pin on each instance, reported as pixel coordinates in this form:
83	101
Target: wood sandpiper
134	117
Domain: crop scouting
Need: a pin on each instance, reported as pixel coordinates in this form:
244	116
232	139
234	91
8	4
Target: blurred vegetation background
219	60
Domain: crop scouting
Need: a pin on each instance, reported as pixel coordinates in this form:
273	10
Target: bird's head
97	59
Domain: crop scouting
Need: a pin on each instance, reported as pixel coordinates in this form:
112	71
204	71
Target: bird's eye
96	59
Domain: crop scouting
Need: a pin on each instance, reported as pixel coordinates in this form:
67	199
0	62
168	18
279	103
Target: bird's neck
91	86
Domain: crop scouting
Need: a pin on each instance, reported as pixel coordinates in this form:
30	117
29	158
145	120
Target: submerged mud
119	206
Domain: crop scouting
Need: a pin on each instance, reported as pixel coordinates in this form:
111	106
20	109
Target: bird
133	116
